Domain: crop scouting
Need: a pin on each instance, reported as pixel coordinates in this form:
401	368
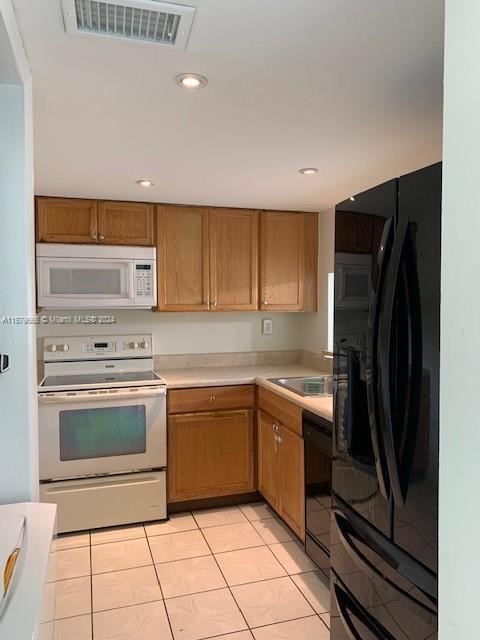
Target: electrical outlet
267	326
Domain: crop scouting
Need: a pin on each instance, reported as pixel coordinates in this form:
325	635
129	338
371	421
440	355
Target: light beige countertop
255	374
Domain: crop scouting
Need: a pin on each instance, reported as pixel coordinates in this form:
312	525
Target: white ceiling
351	87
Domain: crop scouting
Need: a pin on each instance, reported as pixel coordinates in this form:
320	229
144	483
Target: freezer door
374	592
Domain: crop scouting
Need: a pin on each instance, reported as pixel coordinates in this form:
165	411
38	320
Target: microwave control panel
143	279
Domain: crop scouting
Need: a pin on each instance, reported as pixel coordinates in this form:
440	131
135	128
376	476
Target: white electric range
102	431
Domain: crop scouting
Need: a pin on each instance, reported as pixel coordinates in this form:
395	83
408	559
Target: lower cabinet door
292	484
268	459
210	454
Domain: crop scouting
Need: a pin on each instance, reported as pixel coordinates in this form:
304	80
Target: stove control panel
97	347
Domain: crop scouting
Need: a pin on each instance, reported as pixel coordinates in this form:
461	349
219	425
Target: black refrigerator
384	539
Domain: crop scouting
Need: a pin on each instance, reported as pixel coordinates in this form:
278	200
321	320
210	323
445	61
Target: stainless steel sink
310	386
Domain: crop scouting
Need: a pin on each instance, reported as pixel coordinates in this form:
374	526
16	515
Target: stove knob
144	344
63	347
52	347
133	345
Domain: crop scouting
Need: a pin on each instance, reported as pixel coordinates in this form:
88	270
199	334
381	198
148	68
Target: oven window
99	433
91	281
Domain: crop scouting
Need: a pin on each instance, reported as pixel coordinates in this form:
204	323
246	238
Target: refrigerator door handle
375	307
402	248
347	604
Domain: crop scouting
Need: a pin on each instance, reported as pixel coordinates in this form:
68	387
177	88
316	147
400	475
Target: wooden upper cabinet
126	223
282	261
233	260
182	258
66	220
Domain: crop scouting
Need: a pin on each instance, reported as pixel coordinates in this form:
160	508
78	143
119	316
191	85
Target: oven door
85	282
86	433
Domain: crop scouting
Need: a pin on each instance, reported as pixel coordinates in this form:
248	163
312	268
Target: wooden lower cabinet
268	467
281	471
292	486
210	454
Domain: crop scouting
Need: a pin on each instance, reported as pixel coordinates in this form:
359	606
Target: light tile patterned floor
235	573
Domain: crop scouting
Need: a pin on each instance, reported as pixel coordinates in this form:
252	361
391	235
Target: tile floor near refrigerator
233	573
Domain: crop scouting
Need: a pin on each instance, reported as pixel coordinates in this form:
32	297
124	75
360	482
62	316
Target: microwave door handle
375	306
131	294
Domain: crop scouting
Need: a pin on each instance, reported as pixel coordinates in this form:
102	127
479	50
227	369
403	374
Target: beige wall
315	325
195	332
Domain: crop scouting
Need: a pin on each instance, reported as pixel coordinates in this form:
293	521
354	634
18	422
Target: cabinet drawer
286	412
211	398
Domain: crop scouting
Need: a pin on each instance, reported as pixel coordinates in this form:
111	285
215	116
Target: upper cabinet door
66	220
182	258
126	223
282	260
233	260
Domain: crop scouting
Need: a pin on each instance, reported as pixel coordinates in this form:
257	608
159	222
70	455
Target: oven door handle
94	396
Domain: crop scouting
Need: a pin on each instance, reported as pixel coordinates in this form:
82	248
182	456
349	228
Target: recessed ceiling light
191	80
308	171
144	183
352	198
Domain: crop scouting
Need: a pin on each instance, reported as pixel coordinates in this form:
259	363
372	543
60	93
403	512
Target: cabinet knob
101	238
93	236
265	303
214	304
212	398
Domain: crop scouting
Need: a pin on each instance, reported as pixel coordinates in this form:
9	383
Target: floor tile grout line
160	587
134	604
303	595
323	621
226	582
205	555
270	624
263	626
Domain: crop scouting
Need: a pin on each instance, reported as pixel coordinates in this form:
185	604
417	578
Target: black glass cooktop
101	379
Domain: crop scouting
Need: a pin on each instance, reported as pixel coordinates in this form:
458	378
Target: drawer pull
212	398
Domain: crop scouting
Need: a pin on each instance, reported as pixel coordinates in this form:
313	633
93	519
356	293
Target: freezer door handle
372	348
348	605
399	560
399	456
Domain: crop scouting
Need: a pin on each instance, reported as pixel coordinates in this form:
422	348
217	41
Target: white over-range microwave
352	280
102	277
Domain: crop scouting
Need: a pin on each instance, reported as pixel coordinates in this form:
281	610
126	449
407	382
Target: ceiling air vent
148	21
